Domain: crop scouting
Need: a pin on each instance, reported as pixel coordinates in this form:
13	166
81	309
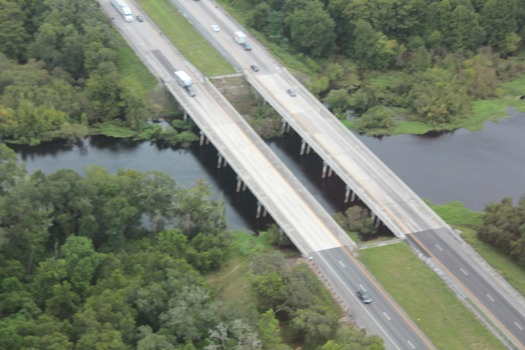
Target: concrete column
284	125
264	212
308	149
352	198
259	207
219	160
330	172
239	184
202	138
243	187
325	168
303	146
185	116
347	193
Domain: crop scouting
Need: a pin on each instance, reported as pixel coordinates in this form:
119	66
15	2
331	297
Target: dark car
291	92
364	296
247	46
254	68
140	18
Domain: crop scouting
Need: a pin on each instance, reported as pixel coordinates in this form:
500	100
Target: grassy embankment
183	35
448	324
427	300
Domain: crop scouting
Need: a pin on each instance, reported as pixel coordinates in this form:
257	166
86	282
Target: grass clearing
112	130
231	282
448	323
132	68
183	35
456	214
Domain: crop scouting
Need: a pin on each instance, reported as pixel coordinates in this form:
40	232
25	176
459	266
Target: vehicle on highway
123	8
184	80
239	37
254	68
291	92
215	28
364	296
140	18
247	46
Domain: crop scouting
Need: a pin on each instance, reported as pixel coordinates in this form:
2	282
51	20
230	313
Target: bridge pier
285	126
303	147
326	169
259	207
202	139
241	186
185	116
221	161
347	193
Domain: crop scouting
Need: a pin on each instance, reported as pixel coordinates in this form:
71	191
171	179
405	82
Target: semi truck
184	80
124	9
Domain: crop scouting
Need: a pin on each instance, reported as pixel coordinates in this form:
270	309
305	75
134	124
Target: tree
189	315
315	326
498	18
13	34
81	262
312	29
268	327
438	98
357	219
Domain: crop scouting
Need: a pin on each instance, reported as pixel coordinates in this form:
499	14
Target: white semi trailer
124	9
184	80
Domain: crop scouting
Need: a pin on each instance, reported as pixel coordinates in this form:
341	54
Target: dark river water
471	167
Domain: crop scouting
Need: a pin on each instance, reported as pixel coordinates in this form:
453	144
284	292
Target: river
471	167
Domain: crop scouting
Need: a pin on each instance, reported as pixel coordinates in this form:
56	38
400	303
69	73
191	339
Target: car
364	296
291	92
215	28
140	18
254	68
247	46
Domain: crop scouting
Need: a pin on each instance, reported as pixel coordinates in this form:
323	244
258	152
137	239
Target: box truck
124	9
184	80
240	37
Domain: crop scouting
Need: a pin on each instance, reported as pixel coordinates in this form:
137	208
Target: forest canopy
58	72
391	60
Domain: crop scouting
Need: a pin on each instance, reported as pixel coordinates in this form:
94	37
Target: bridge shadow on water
244	202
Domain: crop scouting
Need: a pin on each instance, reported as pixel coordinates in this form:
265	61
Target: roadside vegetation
193	46
134	261
448	323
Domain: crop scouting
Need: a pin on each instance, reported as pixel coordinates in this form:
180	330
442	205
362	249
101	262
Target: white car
215	28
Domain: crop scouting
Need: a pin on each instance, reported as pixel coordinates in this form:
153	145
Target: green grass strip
188	41
427	300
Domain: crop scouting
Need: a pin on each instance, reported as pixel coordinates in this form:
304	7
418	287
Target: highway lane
307	224
348	275
396	205
494	299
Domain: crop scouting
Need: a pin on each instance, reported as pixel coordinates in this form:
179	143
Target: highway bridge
293	208
390	199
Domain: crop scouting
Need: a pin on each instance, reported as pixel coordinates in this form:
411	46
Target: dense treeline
58	72
504	228
117	262
445	53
